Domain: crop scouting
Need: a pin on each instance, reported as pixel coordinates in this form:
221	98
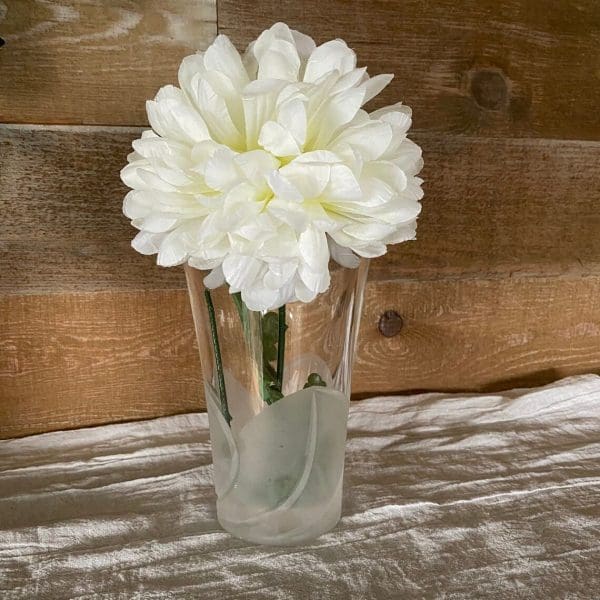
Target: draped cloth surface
446	496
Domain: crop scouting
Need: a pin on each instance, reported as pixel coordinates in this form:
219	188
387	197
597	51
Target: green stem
281	348
270	371
217	352
271	380
242	310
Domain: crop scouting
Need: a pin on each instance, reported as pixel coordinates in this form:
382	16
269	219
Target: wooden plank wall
89	332
501	289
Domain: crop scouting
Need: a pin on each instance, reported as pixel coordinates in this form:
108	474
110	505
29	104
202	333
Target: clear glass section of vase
277	389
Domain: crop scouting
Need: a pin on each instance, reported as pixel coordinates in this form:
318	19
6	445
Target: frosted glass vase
277	389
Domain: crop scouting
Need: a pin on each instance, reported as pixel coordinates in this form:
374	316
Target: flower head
262	167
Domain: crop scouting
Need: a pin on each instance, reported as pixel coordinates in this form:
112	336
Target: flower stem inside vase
217	352
281	347
242	311
273	328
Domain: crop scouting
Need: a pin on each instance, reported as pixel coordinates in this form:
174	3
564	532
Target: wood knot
390	323
489	89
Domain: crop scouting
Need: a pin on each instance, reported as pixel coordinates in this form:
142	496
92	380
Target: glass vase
277	388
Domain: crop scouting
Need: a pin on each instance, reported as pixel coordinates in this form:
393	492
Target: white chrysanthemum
261	168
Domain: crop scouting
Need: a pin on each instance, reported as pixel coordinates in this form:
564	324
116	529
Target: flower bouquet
266	178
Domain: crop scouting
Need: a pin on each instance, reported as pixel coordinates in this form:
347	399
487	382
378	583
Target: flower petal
330	56
215	278
147	243
283	188
256	165
369	231
339	110
190	69
259	101
290	213
276	139
374	85
305	45
157	222
350	79
173	250
303	292
216	116
370	139
310	179
170	151
313	248
221	172
343	256
261	298
222	56
279	61
280	274
171	116
408	157
342	184
292	117
241	271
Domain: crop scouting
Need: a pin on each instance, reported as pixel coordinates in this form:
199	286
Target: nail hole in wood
390	323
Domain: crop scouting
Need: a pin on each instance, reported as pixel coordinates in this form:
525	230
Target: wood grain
522	68
91	61
82	359
478	334
61	200
71	360
499	207
532	212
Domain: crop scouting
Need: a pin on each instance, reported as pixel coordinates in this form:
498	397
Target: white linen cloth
446	496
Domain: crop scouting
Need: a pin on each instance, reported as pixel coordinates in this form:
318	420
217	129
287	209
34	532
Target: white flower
263	167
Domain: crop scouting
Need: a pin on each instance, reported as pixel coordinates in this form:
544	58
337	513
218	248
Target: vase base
288	528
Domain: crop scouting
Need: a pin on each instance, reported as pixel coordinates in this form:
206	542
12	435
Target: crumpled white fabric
446	496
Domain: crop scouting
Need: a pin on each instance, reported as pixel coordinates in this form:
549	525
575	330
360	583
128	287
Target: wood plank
496	207
503	207
82	359
477	334
514	68
94	62
61	200
71	360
